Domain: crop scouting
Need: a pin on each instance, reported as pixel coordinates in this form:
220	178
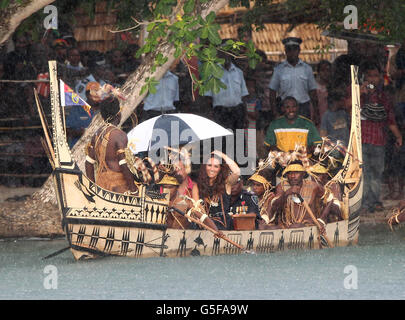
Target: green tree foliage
191	34
385	19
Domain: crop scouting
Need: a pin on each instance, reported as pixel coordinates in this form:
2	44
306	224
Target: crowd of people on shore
288	103
23	68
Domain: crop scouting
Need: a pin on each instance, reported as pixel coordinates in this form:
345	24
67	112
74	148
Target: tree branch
12	16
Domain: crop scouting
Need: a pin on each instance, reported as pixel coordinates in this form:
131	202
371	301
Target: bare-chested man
331	204
288	193
107	149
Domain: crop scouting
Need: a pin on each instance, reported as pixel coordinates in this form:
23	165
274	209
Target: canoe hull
89	241
99	222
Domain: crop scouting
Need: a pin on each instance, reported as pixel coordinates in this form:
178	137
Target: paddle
311	214
48	145
56	253
219	235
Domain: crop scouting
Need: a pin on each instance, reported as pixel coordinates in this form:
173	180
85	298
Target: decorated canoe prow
98	222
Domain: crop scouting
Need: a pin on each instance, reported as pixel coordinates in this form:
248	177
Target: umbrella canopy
173	130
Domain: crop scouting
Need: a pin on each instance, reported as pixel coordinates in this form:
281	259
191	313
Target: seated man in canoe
264	192
176	220
244	202
107	150
331	203
292	196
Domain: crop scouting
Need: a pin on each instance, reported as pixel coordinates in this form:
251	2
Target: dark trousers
230	117
373	167
304	109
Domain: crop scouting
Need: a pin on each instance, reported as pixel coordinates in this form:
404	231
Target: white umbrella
173	130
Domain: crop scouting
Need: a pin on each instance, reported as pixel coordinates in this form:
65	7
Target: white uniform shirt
235	88
167	92
295	81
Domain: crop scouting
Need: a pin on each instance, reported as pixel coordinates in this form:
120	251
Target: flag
70	98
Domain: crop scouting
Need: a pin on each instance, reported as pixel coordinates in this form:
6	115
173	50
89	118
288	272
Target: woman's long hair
218	188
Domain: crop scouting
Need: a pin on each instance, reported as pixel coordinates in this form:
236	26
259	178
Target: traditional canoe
98	222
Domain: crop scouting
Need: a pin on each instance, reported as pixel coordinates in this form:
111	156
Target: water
378	260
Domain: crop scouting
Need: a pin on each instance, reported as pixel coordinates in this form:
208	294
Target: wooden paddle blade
56	253
45	127
48	153
216	233
324	242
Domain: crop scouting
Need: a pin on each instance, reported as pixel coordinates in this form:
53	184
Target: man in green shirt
291	129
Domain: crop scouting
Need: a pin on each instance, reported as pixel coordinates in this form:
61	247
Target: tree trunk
15	13
131	89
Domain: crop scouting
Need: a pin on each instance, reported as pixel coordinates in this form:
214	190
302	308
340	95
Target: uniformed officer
295	78
243	202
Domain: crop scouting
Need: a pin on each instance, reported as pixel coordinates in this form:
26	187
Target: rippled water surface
378	262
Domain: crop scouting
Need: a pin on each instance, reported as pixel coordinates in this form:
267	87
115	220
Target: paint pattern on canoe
141	242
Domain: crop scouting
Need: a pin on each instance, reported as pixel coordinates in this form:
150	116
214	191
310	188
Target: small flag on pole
70	98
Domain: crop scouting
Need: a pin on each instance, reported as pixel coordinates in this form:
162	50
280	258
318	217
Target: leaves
215	85
149	86
4	4
160	60
211	64
210	29
211	69
252	55
189	6
164	7
384	19
182	33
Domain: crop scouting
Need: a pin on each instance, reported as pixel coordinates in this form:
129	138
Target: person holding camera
376	117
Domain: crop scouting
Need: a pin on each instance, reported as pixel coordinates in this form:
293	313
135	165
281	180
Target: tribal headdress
318	168
283	159
329	152
101	92
145	170
295	167
174	156
259	177
169	180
